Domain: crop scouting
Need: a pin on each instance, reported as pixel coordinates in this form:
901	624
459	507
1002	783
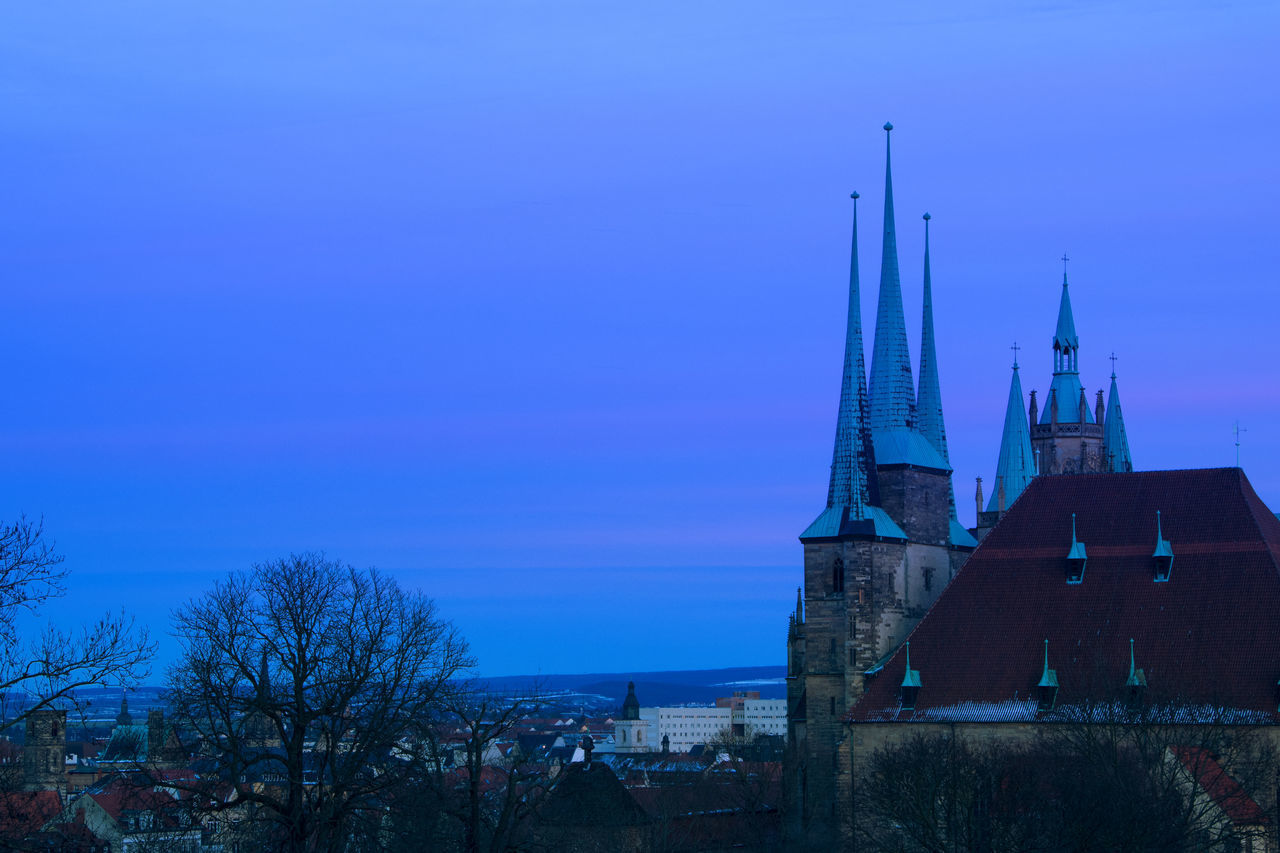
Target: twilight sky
539	305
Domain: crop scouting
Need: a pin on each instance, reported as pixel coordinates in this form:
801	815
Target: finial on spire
1064	268
888	126
855	196
1113	365
927	217
1015	349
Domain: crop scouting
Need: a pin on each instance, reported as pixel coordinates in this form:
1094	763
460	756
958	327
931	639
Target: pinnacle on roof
1016	465
929	397
853	483
1115	442
911	677
892	389
1065	335
1048	677
1137	678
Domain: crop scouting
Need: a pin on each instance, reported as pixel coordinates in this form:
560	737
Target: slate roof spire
1016	465
929	397
853	482
1115	443
892	388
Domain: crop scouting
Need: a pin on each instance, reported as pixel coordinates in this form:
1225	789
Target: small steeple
929	397
1115	442
1076	557
799	606
1065	402
1064	337
124	718
1047	687
892	388
1015	466
853	483
631	705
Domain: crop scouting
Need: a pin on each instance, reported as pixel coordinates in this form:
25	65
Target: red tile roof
1226	793
25	812
1210	635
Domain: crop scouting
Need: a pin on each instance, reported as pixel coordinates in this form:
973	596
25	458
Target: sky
539	307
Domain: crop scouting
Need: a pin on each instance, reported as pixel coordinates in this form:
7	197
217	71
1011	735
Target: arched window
837	576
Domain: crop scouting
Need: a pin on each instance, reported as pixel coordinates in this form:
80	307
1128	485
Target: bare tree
306	682
1094	776
493	816
48	667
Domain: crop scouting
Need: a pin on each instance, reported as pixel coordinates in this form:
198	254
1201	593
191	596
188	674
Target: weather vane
1239	429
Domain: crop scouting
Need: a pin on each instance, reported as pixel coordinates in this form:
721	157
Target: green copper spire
929	397
1065	390
892	388
853	482
1016	465
1115	444
853	495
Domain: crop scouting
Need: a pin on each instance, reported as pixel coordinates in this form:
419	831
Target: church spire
853	482
892	389
929	397
1065	392
1115	443
1016	466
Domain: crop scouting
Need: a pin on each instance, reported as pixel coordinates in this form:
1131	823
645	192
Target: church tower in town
885	545
1067	435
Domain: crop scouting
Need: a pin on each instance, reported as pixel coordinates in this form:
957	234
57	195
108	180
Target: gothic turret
1067	439
1114	441
929	398
929	420
1016	465
892	389
1066	391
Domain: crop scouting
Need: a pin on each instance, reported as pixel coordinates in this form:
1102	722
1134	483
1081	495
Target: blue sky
539	306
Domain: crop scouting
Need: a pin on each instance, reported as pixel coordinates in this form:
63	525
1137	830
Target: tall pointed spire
1115	443
1016	465
1065	392
853	482
892	388
929	397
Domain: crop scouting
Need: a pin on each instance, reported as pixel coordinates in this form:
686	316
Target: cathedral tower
879	553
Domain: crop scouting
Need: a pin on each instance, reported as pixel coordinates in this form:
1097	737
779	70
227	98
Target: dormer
1163	555
910	684
1136	684
1047	689
1076	556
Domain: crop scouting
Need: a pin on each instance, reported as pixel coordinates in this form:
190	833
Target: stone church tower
44	754
881	551
629	730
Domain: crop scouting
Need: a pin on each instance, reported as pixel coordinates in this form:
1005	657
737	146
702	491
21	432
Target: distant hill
672	687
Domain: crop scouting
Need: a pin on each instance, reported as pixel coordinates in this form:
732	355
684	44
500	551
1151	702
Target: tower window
837	576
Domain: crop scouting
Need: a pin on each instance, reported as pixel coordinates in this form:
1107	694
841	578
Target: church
1083	580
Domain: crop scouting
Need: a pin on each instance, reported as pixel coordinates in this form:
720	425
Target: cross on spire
1015	349
1113	365
1064	267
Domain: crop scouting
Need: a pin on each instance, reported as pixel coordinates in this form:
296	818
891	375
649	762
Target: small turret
1115	442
